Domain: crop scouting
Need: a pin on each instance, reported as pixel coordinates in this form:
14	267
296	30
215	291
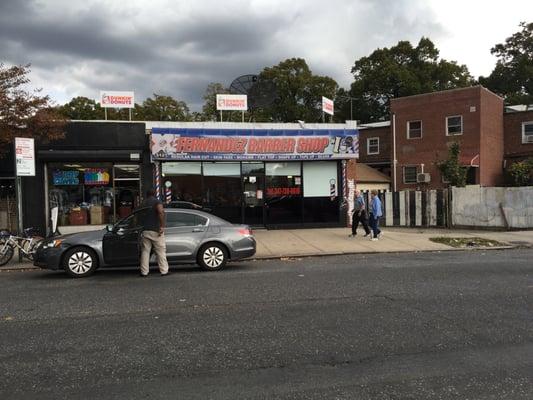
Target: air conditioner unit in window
529	139
423	178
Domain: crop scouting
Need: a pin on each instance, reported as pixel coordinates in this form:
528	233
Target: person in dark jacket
359	214
153	235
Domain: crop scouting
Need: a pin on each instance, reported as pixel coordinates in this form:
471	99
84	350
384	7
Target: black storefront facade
264	175
93	176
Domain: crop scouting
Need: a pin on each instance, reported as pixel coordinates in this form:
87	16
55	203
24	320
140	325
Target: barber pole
333	189
157	181
168	195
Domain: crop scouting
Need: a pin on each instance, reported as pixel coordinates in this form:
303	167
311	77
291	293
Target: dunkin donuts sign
109	99
232	102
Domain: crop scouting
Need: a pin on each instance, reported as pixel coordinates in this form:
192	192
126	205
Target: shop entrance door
253	184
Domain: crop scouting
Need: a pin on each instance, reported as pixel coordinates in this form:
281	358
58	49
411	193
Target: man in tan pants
153	235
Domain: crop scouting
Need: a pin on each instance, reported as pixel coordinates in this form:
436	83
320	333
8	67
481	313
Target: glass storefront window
92	193
222	182
83	193
283	192
185	179
127	186
320	182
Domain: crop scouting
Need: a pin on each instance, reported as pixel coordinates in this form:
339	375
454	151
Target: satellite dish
261	93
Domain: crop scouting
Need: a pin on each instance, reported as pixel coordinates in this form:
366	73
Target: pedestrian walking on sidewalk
153	235
375	214
359	214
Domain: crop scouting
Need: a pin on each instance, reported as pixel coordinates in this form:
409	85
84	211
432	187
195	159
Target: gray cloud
177	48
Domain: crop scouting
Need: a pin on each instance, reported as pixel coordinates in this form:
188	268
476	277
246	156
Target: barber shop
263	175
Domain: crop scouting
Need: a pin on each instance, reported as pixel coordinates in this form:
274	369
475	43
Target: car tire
80	262
212	256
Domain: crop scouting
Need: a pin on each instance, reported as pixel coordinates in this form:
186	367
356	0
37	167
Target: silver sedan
192	236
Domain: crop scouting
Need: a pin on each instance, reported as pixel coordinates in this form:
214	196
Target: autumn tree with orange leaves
25	113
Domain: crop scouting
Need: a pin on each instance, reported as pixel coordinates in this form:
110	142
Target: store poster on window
96	177
65	178
272	144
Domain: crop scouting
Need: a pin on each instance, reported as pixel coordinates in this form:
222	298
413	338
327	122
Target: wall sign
274	144
25	156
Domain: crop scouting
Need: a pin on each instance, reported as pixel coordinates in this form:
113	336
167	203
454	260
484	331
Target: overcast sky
176	47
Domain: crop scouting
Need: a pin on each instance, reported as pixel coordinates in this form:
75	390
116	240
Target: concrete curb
324	254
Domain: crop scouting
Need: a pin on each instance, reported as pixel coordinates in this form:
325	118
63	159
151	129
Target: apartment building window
409	174
454	125
414	129
527	132
372	146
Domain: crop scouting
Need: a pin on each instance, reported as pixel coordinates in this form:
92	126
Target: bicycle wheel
29	249
6	254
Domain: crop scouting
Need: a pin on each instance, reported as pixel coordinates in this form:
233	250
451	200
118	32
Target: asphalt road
454	325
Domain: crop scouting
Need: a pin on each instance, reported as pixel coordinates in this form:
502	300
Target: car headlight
53	243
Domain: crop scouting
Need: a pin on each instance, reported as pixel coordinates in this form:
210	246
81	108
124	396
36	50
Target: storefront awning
469	159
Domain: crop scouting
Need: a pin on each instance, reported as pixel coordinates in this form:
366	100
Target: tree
299	92
402	70
82	108
512	77
209	109
521	172
451	169
24	113
163	108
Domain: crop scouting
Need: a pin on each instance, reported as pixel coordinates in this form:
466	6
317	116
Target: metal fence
414	208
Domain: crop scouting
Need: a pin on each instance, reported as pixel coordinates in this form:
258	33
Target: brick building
423	127
518	134
375	146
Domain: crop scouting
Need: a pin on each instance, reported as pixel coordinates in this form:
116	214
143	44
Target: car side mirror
109	228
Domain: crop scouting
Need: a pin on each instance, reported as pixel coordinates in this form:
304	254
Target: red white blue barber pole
333	189
168	192
157	174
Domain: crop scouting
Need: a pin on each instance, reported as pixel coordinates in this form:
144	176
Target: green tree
25	113
521	172
401	70
82	108
163	108
512	77
209	109
299	92
451	169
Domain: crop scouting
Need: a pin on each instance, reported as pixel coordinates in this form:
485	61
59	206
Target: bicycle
27	244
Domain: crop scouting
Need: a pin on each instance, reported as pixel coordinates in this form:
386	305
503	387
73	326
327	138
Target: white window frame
524	131
403	174
462	125
409	130
368	146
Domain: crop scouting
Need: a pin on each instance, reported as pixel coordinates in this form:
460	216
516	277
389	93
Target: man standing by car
153	235
359	214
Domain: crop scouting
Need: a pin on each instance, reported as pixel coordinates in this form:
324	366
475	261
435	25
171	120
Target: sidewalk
331	241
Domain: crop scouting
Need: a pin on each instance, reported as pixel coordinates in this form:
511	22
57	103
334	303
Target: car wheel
212	257
80	262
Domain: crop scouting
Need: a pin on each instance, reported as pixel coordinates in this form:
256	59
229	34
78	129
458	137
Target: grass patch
466	242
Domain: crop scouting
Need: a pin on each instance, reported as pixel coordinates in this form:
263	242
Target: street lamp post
351	105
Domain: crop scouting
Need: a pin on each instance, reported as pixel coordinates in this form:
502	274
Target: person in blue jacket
375	214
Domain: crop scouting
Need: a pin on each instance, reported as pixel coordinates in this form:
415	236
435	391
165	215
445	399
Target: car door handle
198	230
